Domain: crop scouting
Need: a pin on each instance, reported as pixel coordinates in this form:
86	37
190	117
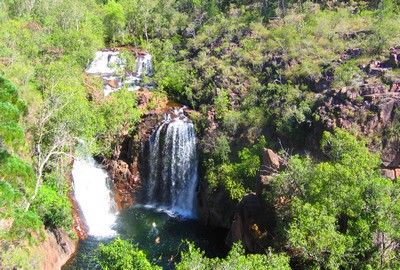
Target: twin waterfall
168	182
171	177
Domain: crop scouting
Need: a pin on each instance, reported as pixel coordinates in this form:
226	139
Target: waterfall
93	195
144	65
171	178
107	64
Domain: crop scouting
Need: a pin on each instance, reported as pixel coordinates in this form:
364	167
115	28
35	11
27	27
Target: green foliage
255	65
11	133
222	150
194	258
26	225
348	74
336	207
118	116
313	232
120	254
16	176
237	178
173	78
114	20
53	208
17	182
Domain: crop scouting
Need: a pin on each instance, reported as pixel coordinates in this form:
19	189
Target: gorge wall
370	110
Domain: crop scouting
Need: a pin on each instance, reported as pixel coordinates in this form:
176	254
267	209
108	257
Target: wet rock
79	225
124	182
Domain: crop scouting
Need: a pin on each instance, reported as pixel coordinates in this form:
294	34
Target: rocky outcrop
128	164
49	250
79	225
125	179
123	166
370	110
251	224
56	249
215	209
254	220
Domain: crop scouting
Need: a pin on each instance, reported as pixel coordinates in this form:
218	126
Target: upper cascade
171	166
111	68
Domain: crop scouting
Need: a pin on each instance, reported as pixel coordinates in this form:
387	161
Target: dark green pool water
160	242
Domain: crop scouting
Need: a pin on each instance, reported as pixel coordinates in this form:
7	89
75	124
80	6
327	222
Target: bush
194	258
54	209
120	254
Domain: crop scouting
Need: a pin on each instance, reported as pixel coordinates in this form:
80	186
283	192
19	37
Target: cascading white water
144	65
107	64
172	175
94	198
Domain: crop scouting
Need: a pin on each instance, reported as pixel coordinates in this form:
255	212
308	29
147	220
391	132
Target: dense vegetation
256	70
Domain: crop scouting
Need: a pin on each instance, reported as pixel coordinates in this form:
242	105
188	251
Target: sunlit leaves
11	107
342	213
120	255
114	19
314	232
194	258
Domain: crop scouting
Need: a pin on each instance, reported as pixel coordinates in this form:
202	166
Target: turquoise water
157	233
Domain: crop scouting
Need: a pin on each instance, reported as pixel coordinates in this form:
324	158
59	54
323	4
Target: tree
17	177
336	207
121	255
119	114
114	20
11	133
194	258
64	117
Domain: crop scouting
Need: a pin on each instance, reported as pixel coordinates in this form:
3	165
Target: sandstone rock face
394	58
57	249
250	224
216	209
125	179
79	225
270	162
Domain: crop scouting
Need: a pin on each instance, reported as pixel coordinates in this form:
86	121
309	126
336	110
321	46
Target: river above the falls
157	233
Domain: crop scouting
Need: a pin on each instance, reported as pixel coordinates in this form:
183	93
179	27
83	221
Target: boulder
395	86
389	173
385	110
391	154
270	161
394	57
